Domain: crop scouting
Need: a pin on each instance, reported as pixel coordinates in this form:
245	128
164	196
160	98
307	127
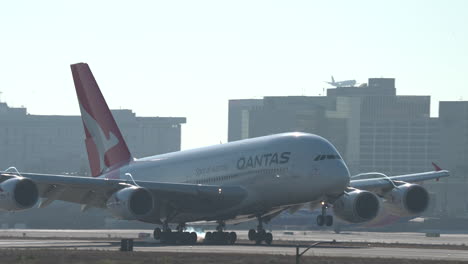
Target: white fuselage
276	171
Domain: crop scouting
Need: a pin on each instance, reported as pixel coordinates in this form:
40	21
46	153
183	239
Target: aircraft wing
386	182
94	192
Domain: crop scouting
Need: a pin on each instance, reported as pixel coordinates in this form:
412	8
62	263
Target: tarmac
108	240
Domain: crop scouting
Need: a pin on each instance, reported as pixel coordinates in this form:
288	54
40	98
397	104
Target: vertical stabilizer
104	142
333	79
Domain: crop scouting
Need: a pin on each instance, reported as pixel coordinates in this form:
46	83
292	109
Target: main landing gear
260	234
324	219
220	237
166	235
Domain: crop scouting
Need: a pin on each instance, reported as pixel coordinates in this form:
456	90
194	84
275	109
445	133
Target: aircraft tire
216	237
329	220
260	237
268	238
157	233
225	238
184	238
232	238
252	234
320	220
168	237
208	237
193	238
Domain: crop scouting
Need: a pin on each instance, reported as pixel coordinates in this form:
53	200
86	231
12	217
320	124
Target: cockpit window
323	157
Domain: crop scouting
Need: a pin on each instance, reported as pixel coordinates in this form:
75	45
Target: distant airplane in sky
228	183
346	83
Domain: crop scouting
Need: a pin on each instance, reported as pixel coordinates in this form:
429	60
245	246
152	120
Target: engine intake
407	199
357	206
18	194
130	203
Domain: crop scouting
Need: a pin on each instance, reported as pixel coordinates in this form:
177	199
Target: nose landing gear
324	219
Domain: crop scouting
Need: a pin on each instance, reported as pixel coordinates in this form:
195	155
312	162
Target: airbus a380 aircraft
229	183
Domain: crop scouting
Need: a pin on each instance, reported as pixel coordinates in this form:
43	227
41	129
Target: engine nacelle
130	203
18	194
357	206
407	200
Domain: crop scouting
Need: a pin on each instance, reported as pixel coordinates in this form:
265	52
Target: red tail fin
104	142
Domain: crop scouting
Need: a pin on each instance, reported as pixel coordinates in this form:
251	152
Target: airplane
230	183
348	83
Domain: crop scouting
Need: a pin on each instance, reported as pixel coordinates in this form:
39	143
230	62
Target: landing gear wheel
268	238
329	220
193	238
157	233
260	236
184	238
320	220
252	234
232	238
167	237
208	237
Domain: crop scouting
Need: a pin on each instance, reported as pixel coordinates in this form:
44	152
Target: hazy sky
188	58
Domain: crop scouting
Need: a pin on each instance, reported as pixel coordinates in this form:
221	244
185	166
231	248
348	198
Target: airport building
373	128
55	144
453	118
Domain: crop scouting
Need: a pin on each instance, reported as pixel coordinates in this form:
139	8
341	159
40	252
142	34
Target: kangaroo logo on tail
104	142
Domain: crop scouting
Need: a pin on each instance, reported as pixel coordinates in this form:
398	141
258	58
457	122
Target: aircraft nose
340	176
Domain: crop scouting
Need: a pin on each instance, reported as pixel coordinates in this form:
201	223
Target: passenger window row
216	179
323	157
232	176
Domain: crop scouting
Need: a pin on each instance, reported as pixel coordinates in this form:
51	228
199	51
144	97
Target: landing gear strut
260	234
220	237
324	219
166	235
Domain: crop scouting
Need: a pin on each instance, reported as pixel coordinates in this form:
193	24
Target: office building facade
55	144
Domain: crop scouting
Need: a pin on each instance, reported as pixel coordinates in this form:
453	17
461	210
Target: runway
370	237
99	240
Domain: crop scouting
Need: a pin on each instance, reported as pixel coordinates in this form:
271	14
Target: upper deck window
323	157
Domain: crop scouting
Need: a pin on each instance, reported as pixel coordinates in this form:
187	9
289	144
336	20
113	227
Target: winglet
104	141
437	168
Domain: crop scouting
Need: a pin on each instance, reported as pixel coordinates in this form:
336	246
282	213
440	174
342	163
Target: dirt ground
113	257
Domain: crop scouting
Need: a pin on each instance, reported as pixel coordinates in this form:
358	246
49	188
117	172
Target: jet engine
18	194
357	206
130	203
407	200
